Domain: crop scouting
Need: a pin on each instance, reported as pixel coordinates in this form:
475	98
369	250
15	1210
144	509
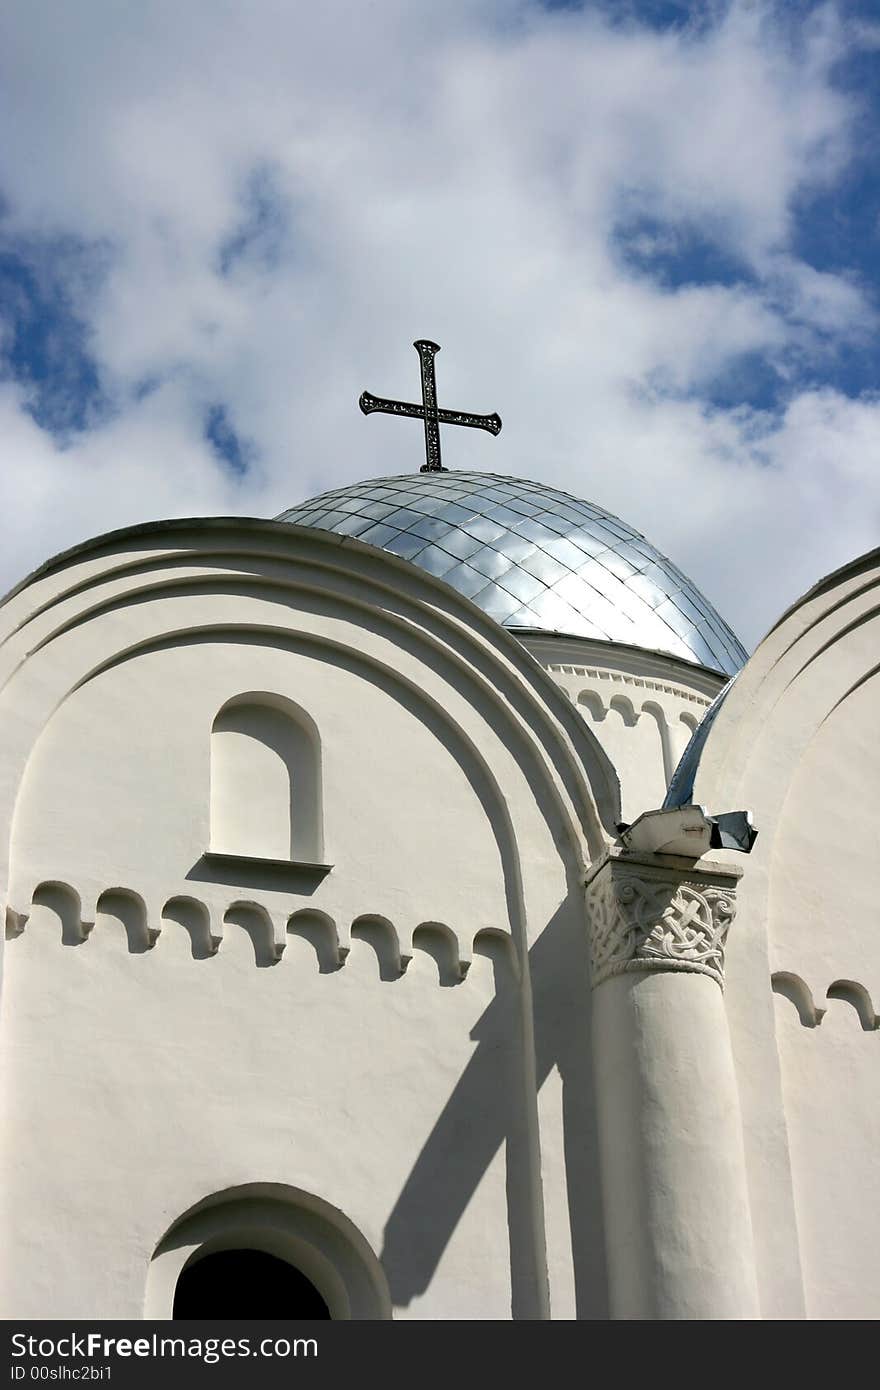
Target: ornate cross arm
369	403
429	411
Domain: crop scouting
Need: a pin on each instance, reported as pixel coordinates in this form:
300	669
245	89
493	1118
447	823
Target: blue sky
648	234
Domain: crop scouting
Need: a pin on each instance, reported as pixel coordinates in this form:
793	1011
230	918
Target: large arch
795	743
538	778
121	576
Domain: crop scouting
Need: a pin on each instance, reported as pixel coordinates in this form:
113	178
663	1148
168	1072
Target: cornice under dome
534	558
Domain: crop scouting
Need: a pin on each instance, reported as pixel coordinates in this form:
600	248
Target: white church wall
182	1021
642	708
176	1077
121	780
823	902
795	742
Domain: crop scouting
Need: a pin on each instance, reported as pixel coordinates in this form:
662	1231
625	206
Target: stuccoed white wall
796	743
119	781
831	1073
642	707
174	1026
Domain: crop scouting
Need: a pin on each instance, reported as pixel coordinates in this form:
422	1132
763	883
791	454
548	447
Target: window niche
245	1284
265	1250
266	781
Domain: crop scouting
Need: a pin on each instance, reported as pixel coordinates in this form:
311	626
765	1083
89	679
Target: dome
536	559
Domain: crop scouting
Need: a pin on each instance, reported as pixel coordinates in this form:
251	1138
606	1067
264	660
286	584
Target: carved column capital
651	912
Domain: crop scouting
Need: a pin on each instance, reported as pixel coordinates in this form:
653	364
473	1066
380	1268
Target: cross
428	410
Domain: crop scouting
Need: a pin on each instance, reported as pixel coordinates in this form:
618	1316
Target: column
677	1222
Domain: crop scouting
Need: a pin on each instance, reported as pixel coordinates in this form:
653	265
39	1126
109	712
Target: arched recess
851	992
667	752
589	699
287	1223
64	903
121	907
624	706
266	780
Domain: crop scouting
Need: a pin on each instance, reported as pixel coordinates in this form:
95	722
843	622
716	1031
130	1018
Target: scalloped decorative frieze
681	692
269	932
811	1014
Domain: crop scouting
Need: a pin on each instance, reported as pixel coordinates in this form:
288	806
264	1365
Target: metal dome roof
533	558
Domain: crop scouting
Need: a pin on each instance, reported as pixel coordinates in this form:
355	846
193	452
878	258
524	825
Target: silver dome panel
533	558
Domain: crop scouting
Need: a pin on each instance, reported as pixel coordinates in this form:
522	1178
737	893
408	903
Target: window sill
220	857
255	871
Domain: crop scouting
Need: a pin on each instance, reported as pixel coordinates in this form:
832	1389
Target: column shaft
678	1227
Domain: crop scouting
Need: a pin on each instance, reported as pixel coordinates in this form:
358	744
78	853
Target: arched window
266	780
245	1284
265	1250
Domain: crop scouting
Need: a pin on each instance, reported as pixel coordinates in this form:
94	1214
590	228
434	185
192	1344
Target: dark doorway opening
245	1284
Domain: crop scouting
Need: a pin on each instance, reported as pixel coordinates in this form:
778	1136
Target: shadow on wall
458	1152
497	1084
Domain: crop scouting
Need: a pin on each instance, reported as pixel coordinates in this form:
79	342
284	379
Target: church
419	906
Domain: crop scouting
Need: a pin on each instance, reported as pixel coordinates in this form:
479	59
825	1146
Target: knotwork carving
639	921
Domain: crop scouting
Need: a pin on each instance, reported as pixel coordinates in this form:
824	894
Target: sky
647	234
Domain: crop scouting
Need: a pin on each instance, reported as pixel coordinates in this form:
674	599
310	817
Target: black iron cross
428	410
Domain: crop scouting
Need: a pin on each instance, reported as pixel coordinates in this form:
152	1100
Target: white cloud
455	172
